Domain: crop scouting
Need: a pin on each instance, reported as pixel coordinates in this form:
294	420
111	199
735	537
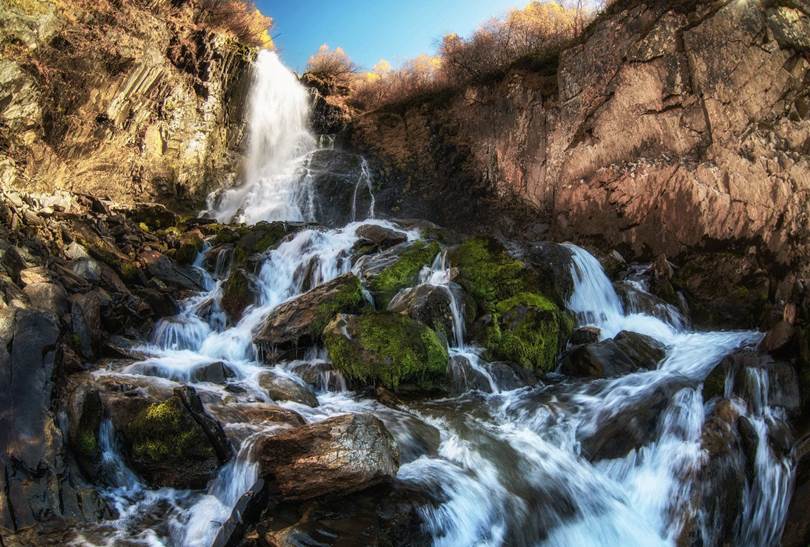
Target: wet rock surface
295	326
627	352
337	456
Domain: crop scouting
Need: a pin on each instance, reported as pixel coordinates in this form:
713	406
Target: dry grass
239	17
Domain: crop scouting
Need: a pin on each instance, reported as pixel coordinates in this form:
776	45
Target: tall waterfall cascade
279	144
509	468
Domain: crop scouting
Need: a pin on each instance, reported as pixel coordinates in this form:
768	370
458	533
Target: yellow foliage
538	30
241	18
382	67
333	63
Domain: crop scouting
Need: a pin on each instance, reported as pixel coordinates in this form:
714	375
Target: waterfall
511	466
279	144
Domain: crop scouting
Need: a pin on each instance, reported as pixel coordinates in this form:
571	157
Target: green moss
88	444
534	300
388	349
191	245
130	273
488	273
349	298
528	329
165	431
404	272
237	294
250	240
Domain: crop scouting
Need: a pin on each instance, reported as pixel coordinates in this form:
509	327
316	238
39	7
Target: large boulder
381	515
627	352
337	456
433	306
518	323
613	432
379	237
295	326
397	268
166	435
39	484
529	330
284	388
553	262
171	273
747	369
174	442
388	349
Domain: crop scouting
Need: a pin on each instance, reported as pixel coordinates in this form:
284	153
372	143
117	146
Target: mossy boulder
293	327
166	446
191	244
85	412
388	349
258	238
522	325
403	271
153	216
528	329
489	273
237	294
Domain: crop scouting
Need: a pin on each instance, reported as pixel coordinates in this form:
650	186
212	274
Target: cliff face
129	100
669	127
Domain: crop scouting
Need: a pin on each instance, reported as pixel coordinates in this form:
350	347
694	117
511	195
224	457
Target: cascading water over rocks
622	460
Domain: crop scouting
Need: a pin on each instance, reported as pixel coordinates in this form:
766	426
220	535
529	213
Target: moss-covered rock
404	272
388	349
528	329
152	216
523	325
488	273
168	447
191	244
237	294
85	412
249	240
296	325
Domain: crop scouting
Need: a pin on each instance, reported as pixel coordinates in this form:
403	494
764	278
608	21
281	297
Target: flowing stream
511	467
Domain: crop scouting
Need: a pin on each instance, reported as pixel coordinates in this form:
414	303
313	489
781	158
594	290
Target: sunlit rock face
666	127
117	102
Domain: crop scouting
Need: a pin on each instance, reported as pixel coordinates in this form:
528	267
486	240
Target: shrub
417	77
539	30
239	17
329	63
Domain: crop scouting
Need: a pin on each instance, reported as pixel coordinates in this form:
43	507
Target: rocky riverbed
179	380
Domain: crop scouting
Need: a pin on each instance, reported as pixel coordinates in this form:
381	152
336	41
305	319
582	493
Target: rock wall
133	100
670	127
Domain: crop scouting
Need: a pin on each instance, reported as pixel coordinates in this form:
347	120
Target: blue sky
396	30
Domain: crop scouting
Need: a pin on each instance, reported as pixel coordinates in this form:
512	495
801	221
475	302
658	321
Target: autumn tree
331	63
